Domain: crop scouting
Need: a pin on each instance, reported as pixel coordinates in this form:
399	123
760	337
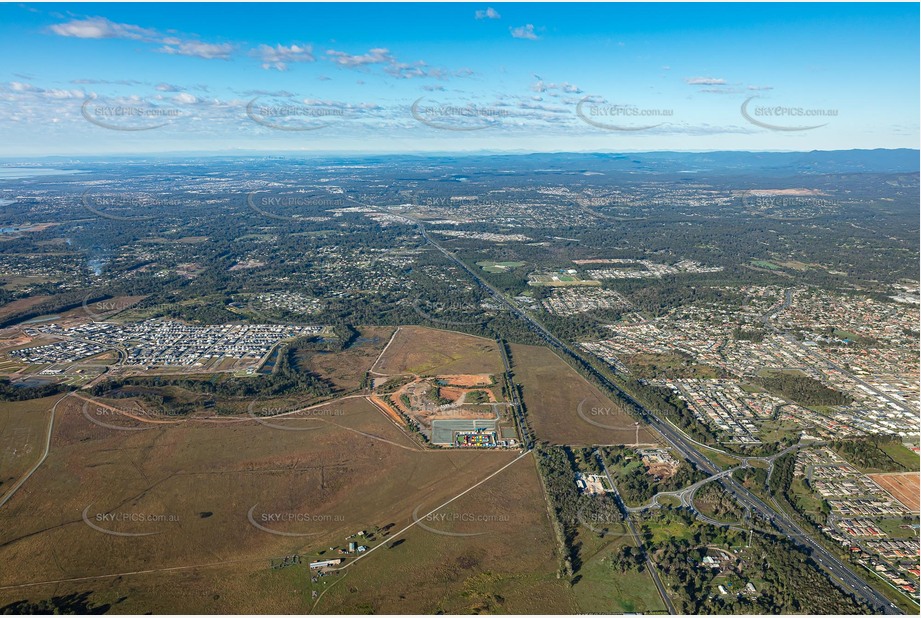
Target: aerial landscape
596	309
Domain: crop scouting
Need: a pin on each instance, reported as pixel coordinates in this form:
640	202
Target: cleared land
904	487
183	498
427	351
347	369
23	429
564	408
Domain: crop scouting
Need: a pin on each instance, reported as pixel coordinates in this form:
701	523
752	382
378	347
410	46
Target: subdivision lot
177	505
904	487
564	408
428	351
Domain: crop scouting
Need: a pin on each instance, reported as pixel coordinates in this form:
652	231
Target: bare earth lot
904	487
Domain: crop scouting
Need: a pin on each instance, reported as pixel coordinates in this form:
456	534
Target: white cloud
101	28
705	81
280	56
377	55
524	32
555	89
197	49
185	98
164	87
489	13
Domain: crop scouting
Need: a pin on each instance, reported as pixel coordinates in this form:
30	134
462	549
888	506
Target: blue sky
146	78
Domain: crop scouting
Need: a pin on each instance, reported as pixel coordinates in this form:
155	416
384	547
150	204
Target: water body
18	173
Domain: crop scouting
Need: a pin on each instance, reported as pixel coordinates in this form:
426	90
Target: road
839	573
637	540
788	300
27	476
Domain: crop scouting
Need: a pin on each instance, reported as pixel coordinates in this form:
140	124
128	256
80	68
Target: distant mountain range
902	160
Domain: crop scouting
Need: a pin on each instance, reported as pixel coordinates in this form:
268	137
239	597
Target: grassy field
902	455
194	488
23	427
505	564
428	351
499	267
564	408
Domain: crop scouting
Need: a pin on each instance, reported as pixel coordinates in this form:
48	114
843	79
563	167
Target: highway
839	573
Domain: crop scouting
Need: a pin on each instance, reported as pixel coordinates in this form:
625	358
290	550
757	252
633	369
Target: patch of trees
866	454
741	334
718	503
627	559
635	483
570	508
788	580
802	389
8	392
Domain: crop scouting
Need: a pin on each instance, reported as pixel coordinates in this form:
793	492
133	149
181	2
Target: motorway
838	572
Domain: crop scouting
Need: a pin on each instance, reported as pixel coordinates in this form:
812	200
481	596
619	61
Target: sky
110	78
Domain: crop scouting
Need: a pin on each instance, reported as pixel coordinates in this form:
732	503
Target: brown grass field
23	428
21	305
904	487
554	395
196	484
428	351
